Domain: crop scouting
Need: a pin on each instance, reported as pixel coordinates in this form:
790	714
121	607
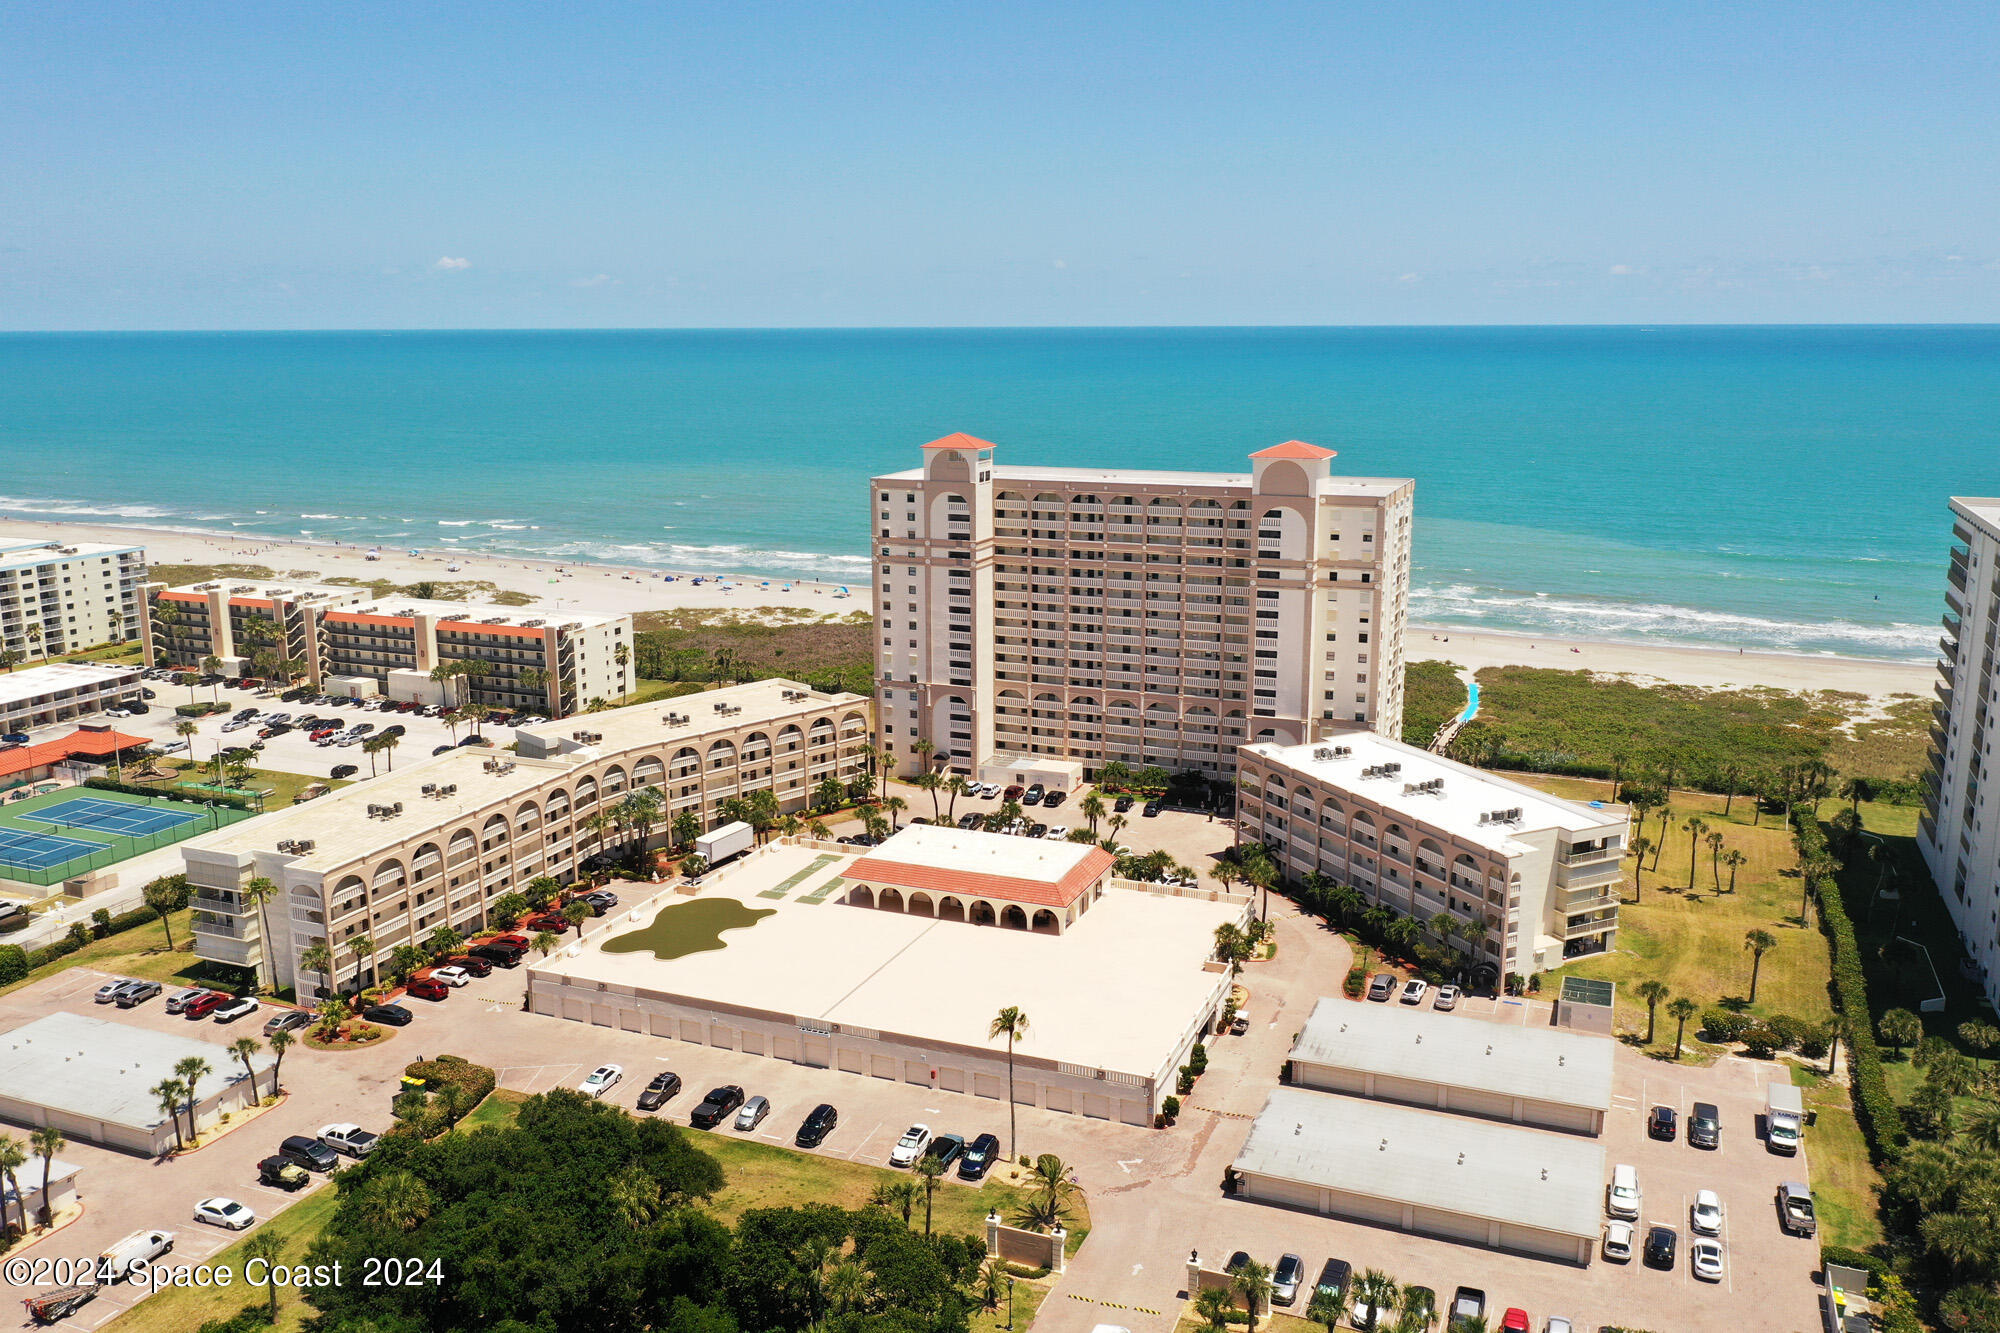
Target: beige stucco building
347	641
435	843
1150	617
57	597
1422	834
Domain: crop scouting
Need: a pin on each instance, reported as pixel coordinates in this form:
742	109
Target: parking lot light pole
1010	1301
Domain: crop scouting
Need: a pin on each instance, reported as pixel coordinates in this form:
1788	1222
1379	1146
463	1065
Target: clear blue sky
518	165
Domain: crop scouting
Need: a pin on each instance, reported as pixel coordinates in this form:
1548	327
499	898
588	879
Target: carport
1446	1176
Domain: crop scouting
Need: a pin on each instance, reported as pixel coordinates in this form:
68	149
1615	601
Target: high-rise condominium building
1960	828
1095	614
57	597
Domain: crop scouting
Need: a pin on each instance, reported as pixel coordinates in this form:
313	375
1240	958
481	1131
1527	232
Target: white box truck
1784	1118
718	845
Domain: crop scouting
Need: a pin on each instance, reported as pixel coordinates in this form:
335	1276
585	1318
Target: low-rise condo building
63	692
1157	618
1528	880
58	597
349	642
435	843
1959	832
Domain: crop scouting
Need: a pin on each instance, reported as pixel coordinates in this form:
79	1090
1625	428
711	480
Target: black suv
1660	1123
309	1153
1704	1125
658	1091
817	1126
978	1157
1661	1243
500	955
719	1103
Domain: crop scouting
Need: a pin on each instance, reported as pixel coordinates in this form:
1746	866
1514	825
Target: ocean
1761	487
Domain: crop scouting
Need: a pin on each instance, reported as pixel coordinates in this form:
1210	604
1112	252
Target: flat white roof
976	852
475	612
251	590
34	682
1142	479
16	554
1455	1164
1981	509
1458	806
102	1070
1543	1064
1118	990
763	703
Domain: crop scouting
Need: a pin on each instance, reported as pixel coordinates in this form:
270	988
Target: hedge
69	944
192	798
473	1083
1861	1259
1874	1108
13	964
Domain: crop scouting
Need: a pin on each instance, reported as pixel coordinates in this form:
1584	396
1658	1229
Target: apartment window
1364	638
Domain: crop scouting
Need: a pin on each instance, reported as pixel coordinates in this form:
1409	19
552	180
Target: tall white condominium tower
57	597
1082	615
1960	833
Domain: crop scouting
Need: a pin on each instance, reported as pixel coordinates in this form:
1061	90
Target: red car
426	989
520	942
1514	1321
206	1005
547	921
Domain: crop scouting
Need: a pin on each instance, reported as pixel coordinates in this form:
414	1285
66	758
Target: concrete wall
1492	1233
1445	1097
19	1108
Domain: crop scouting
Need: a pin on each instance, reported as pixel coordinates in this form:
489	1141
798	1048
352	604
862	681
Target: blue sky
744	164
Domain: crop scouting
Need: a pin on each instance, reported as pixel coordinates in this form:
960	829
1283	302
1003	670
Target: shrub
13	964
1760	1041
1357	981
1171	1108
456	1086
192	798
1787	1028
1814	1042
1185	1083
1861	1259
1724	1024
79	935
1198	1059
100	920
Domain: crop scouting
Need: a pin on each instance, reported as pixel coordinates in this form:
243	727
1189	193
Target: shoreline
593	586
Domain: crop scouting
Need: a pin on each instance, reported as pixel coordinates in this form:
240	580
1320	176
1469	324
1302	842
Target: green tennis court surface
73	830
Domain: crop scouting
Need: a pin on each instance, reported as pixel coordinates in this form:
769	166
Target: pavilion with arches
985	879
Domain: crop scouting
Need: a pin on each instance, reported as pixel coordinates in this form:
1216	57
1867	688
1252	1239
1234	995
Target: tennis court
71	831
92	812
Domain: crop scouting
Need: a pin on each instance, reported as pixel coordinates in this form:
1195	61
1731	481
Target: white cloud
1411	277
450	265
1622	270
1060	263
595	280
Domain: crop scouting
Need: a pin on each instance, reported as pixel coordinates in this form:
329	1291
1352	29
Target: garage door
882	1066
1059	1099
1413	1091
989	1085
722	1037
1097	1106
1453	1226
1325	1076
852	1062
950	1079
603	1015
691	1030
1576	1119
786	1047
753	1042
1496	1105
629	1019
1292	1193
1527	1240
577	1011
1134	1113
916	1071
663	1024
547	1005
1365	1208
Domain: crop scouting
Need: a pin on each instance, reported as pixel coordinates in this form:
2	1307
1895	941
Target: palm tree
318	958
1327	1307
260	891
442	941
1116	824
1253	1283
929	1168
361	948
1050	1191
1012	1024
212	665
1378	1291
1900	1028
46	1142
1653	992
932	781
268	1246
331	1012
168	1093
622	655
895	805
185	729
899	1194
1681	1010
13	1156
695	865
245	1049
1759	943
1695	826
191	1070
1733	858
1857	790
1640	846
281	1041
389	741
955	786
1714	841
576	913
1091	808
166	895
545	942
1980	1037
1213	1304
1982	1130
1666	819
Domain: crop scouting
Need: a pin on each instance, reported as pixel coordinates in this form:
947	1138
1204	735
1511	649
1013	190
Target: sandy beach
584	586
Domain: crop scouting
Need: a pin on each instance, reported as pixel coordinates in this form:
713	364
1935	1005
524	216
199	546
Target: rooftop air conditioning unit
1514	815
1342	751
307	845
396	809
1322	753
1392	769
1484	820
1410	788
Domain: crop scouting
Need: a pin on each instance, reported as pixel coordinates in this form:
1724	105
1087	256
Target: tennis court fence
124	848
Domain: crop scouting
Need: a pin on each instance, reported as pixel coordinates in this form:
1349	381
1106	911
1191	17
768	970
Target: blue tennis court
92	812
39	851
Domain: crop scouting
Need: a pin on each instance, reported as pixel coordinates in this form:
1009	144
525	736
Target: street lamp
1010	1301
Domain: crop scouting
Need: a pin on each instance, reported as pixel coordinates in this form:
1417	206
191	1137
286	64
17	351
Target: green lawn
140	952
1028	1298
1845	1184
181	1310
500	1108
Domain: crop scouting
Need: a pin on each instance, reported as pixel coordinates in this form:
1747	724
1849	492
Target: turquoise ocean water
1777	488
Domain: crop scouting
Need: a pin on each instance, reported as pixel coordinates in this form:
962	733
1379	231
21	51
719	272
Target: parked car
977	1159
111	990
225	1213
395	1015
424	988
1515	1320
1557	1324
1414	990
478	967
1660	1123
1285	1279
1053	799
1795	1209
129	1256
1334	1275
339	771
1152	809
911	1146
283	1173
350	1139
236	1009
656	1093
1121	805
720	1103
1704	1125
1705	1215
603	898
1661	1245
137	993
309	1153
1382	985
753	1113
1624	1198
1237	1262
1705	1258
451	975
287	1020
498	955
817	1126
1014	792
1445	1000
946	1148
178	1002
442	749
549	921
601	1080
204	1005
1467	1303
1034	794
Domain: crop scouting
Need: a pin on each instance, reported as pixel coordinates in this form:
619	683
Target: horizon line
1638	325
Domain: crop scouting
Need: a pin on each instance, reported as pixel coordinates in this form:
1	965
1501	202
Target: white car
601	1080
1414	990
1705	1218
1705	1256
235	1009
349	1138
1445	1000
117	712
451	976
225	1213
1618	1242
911	1146
1057	832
